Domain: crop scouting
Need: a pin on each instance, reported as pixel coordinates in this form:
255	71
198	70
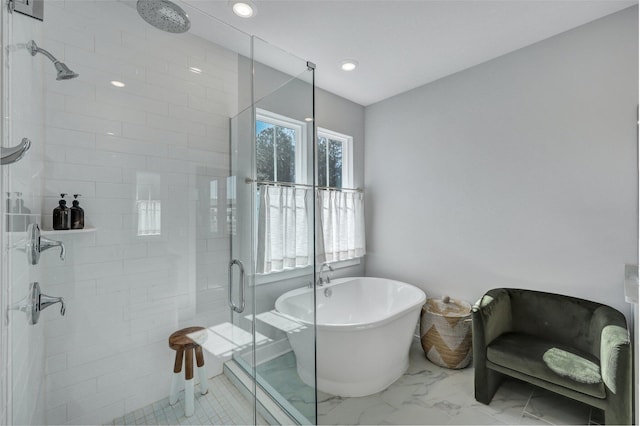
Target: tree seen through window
329	162
275	152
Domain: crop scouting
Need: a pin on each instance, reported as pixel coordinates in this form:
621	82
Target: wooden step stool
188	339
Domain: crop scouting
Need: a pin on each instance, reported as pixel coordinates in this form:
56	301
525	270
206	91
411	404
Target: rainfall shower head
164	15
64	73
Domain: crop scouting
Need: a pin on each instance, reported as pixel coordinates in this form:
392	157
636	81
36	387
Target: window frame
300	129
347	155
301	176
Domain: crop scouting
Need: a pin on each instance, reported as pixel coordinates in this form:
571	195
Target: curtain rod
303	185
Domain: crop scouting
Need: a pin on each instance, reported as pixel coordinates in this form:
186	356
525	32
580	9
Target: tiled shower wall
161	141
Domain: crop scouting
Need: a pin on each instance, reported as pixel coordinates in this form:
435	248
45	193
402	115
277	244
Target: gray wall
517	172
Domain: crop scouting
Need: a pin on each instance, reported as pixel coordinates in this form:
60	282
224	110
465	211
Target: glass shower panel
143	134
283	91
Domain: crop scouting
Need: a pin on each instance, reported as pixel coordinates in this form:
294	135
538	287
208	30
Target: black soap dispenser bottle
61	215
77	214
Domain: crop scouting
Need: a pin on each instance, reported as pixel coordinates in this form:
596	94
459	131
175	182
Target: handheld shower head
64	73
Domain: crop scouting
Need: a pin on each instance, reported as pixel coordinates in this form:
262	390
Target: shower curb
266	407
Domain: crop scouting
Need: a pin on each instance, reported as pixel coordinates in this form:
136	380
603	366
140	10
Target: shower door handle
11	155
233	306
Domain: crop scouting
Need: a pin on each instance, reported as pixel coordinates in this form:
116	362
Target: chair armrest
602	317
612	345
615	358
491	316
616	367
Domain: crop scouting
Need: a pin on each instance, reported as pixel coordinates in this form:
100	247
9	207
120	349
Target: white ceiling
403	44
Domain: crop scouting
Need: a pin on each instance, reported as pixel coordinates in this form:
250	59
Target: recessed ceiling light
244	8
308	119
117	83
195	70
349	65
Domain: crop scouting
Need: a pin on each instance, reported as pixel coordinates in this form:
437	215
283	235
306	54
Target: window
281	152
280	148
285	212
334	159
341	212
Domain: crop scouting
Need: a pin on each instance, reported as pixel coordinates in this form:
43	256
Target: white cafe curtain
284	218
341	215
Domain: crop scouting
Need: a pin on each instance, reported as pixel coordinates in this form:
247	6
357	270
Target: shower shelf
67	231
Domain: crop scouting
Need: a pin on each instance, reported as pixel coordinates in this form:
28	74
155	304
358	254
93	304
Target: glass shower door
240	225
272	226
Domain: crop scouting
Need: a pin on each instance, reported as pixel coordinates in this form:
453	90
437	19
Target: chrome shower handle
11	155
46	301
35	302
46	244
36	244
238	309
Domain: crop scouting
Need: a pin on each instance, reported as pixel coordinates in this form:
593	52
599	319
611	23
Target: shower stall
152	122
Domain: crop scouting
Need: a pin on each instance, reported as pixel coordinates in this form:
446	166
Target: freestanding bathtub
364	329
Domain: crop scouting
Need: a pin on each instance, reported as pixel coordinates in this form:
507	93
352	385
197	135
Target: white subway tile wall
163	137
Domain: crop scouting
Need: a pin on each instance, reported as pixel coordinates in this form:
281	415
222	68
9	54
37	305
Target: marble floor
428	394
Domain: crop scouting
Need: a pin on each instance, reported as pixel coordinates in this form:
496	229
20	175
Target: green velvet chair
574	347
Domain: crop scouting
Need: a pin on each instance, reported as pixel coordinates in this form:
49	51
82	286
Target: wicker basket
445	332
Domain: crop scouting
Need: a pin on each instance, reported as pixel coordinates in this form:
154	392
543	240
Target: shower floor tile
222	405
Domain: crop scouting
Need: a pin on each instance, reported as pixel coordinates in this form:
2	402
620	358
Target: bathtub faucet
320	281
